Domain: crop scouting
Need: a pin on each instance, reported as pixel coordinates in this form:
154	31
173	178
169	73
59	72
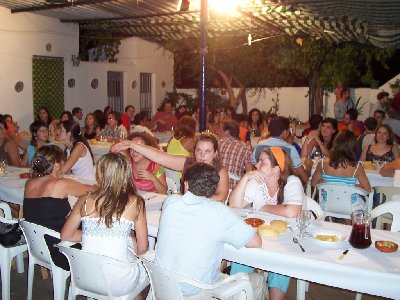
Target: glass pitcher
360	236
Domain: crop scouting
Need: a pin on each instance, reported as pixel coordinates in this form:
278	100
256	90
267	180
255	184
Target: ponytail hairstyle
44	160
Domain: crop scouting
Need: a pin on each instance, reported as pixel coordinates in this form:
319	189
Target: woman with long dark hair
40	137
78	152
341	167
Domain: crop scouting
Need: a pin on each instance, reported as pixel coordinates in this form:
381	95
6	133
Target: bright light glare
221	6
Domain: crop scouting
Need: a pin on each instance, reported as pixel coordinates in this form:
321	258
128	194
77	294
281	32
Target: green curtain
48	84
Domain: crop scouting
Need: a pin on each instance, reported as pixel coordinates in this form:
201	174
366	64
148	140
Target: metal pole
203	63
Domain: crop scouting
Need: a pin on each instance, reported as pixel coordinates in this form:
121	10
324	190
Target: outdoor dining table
366	271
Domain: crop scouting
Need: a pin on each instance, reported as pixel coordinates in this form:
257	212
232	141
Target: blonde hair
114	174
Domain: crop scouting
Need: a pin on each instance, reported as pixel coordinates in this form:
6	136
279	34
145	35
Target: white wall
23	35
293	101
148	57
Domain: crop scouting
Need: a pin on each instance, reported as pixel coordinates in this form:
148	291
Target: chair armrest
149	255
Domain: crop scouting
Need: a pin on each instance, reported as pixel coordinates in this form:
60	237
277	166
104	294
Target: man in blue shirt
193	230
279	130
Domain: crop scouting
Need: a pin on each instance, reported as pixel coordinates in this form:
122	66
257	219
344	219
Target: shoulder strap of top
355	171
130	206
322	165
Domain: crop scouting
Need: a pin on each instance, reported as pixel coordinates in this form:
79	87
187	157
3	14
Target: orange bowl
386	246
254	222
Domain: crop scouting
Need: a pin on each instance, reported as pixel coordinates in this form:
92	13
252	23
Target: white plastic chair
165	284
171	186
8	253
389	192
391	207
39	255
315	208
87	270
338	199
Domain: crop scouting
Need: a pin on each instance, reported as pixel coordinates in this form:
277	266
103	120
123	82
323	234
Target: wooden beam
48	6
83	21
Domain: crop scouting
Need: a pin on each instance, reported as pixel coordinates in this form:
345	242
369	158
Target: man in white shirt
193	230
77	114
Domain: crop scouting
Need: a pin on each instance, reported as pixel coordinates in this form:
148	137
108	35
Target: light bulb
249	39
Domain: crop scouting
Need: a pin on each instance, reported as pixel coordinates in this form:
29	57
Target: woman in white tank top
108	216
79	155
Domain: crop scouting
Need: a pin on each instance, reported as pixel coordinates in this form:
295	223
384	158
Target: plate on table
327	237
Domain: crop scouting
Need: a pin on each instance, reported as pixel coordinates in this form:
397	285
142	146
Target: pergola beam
57	5
86	21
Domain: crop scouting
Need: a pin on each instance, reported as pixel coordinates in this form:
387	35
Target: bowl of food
386	246
369	165
254	222
267	230
327	237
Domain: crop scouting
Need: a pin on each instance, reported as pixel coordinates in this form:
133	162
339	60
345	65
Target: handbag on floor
10	234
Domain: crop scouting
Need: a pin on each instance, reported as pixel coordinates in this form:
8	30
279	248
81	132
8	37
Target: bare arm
223	186
316	178
363	179
174	162
70	231
142	243
160	183
284	210
236	198
396	151
68	186
302	174
389	169
13	152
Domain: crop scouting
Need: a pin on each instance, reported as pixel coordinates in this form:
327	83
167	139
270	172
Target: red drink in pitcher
360	236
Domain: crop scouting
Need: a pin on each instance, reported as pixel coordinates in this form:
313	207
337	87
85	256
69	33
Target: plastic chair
8	253
315	208
165	284
87	271
385	192
391	207
171	186
39	255
338	199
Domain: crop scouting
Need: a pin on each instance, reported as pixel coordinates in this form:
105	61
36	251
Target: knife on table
343	254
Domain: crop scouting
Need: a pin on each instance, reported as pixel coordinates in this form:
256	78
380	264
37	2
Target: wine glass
303	220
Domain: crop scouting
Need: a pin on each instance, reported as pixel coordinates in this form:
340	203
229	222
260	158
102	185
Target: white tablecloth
366	271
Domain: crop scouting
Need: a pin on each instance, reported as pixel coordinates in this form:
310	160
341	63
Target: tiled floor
43	290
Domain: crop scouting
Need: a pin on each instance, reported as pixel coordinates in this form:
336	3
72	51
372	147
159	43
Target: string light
249	39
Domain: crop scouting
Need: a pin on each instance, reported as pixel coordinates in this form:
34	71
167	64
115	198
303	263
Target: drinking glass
303	220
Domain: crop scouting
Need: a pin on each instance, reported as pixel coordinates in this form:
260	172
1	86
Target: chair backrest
6	211
315	208
338	199
390	207
171	186
164	282
34	236
387	191
88	269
